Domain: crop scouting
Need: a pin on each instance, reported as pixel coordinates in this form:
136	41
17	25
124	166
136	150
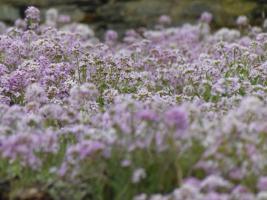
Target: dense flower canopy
174	113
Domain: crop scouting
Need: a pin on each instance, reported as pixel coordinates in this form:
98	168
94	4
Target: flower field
173	113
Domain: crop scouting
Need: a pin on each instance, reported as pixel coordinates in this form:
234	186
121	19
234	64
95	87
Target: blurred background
124	14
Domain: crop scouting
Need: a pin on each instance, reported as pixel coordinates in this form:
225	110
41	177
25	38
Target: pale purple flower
126	163
262	183
186	192
83	150
52	111
164	20
35	92
192	181
213	182
4	100
111	36
240	189
242	21
147	115
236	174
21	147
177	117
86	91
63	169
32	13
64	19
216	196
32	17
206	17
21	24
3	69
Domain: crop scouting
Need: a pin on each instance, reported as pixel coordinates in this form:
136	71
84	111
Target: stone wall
122	14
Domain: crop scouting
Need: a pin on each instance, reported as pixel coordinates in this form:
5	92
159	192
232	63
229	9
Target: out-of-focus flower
32	16
148	115
262	184
21	24
206	17
36	93
138	175
83	150
111	36
262	195
264	24
177	118
33	13
164	20
140	197
213	182
242	21
51	17
64	19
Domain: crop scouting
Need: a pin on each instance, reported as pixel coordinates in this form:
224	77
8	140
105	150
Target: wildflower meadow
163	113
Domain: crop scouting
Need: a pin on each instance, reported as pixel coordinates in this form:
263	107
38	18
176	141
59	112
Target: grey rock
8	13
123	14
73	11
44	2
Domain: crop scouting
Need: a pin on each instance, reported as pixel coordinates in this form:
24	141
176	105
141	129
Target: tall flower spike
32	17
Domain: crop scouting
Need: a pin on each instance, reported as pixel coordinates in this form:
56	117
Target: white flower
242	21
187	192
138	175
140	197
262	196
214	182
